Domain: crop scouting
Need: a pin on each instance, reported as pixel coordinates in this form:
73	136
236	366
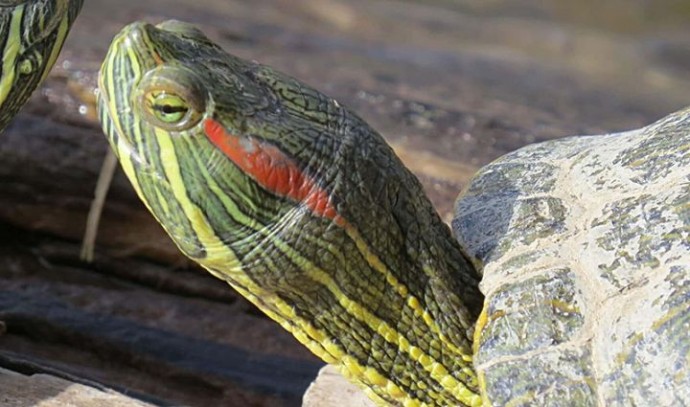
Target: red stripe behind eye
272	169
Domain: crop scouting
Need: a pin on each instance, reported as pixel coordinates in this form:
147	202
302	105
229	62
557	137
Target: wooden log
49	391
157	333
331	389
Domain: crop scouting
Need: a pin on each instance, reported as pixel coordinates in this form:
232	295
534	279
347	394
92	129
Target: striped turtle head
196	131
299	205
31	36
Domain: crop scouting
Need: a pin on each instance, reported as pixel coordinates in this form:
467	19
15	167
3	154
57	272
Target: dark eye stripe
168	109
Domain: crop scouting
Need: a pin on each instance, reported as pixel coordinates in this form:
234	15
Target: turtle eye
170	99
168	108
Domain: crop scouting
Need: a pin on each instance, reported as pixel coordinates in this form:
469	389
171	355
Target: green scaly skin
300	206
31	36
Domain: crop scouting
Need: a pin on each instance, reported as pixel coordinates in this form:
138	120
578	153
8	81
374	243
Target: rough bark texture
452	85
49	391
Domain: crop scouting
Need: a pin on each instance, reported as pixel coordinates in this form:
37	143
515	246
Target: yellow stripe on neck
10	53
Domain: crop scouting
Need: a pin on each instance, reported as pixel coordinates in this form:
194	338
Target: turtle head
299	205
31	36
226	153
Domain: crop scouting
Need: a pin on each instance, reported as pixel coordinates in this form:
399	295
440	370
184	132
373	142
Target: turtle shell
584	246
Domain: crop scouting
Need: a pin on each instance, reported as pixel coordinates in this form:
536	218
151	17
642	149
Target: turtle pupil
170	109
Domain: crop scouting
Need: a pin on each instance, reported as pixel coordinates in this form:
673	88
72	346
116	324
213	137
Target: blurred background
450	84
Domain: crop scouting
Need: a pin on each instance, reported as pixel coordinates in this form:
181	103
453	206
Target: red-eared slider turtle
31	36
305	210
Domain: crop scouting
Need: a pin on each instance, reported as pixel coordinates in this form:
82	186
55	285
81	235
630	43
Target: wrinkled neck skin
306	211
374	283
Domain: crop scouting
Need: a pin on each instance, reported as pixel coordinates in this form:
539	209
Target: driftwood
450	87
21	390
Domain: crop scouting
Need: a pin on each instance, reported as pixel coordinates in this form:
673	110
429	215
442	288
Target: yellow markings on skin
437	371
371	394
13	47
479	328
221	258
400	288
288	319
128	166
218	255
301	329
304	331
55	51
394	390
228	204
316	334
284	314
414	303
374	261
125	150
377	379
390	334
429	319
413	403
123	147
10	53
222	262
